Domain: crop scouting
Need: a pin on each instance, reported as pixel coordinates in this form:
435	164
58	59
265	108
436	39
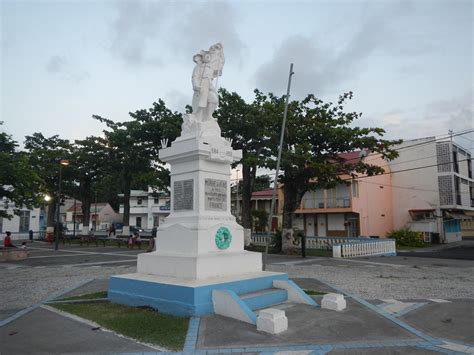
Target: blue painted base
181	299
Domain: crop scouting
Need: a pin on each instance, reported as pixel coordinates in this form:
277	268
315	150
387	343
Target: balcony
320	203
341	202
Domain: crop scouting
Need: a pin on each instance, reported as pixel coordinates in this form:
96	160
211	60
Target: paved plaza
395	305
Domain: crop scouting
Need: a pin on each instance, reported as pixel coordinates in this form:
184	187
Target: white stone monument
200	247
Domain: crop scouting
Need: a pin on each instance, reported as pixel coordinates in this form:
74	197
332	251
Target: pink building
361	208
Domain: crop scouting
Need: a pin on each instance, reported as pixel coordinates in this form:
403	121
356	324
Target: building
102	215
148	209
360	207
20	225
433	189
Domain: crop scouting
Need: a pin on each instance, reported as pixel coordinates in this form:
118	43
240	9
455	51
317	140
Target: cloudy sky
409	63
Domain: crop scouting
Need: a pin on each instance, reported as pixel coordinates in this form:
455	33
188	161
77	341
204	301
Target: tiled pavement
375	327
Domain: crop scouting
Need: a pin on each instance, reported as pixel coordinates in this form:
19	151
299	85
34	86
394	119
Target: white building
21	224
433	188
102	215
148	209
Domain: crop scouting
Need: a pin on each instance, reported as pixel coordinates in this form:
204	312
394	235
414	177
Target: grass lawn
143	324
314	293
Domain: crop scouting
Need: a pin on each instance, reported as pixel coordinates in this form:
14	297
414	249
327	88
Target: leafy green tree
248	125
44	156
88	167
262	182
316	134
133	148
20	184
260	220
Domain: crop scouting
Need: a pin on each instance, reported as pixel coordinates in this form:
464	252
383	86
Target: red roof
354	156
77	207
264	193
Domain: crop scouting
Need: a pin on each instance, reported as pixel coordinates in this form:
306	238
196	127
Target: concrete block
12	254
333	301
272	321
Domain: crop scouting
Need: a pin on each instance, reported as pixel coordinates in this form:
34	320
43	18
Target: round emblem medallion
223	238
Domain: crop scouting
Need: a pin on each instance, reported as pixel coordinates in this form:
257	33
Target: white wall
13	225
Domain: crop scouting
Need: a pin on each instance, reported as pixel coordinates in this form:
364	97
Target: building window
139	201
471	194
355	188
469	166
455	162
1	224
24	221
138	221
156	201
457	190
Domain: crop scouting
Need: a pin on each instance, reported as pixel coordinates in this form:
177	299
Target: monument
200	247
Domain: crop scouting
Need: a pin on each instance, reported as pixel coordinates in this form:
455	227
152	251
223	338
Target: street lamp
62	162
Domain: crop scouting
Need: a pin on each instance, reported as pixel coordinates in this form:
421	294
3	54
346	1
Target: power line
410	169
456	134
408	188
469	139
408	161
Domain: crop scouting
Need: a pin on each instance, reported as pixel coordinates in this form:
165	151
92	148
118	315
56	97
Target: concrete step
264	298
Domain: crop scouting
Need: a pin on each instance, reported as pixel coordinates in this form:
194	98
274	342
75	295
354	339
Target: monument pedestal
184	297
200	247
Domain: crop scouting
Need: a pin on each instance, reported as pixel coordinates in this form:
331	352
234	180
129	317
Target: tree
248	125
44	155
133	148
262	182
89	165
19	182
316	134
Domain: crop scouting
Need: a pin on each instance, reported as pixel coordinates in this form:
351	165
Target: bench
13	254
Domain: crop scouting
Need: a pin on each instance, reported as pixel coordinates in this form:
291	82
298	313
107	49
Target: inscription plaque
215	195
183	192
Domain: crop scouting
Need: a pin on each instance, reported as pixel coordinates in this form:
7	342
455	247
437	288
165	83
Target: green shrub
276	241
407	238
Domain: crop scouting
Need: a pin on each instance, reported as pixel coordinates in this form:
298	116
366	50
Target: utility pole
277	172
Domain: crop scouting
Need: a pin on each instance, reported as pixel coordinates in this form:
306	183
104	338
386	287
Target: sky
408	63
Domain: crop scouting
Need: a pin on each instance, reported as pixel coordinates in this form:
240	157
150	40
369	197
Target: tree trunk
51	212
248	174
293	193
51	216
84	197
86	214
126	204
247	183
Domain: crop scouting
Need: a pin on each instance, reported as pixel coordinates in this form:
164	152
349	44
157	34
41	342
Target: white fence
367	248
260	239
342	247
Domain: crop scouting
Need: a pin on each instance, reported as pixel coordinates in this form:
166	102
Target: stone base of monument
182	297
244	306
333	301
272	321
